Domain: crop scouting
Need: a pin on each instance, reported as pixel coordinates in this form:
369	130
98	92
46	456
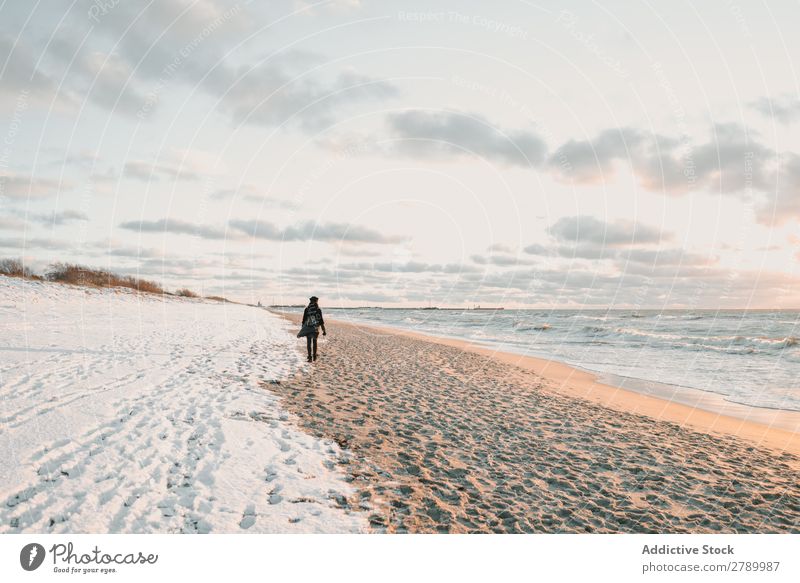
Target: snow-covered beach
126	412
129	412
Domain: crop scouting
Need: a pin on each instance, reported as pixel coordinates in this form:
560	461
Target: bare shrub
143	285
15	268
186	293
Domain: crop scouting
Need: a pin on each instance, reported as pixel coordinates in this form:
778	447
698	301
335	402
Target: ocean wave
685	317
532	328
596	330
724	342
758	341
754	356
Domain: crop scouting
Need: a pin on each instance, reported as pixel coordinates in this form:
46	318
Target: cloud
24	187
198	44
239	228
592	160
152	44
537	249
84	159
410	267
657	160
24	244
179	267
731	161
157	45
173	38
269	94
784	109
11	224
117	249
148	171
620	241
176	164
500	247
783	202
178	227
448	134
57	218
585	251
109	81
572	251
310	7
589	230
502	260
21	80
357	251
367	296
54	218
251	193
312	231
664	257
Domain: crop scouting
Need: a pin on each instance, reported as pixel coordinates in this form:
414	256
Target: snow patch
127	412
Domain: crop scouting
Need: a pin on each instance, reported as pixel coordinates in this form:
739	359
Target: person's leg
308	345
315	345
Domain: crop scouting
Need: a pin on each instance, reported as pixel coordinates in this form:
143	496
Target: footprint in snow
248	517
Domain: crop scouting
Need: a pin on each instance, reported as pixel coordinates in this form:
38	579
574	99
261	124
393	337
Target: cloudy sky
390	153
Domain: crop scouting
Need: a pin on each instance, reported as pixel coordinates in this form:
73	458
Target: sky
555	155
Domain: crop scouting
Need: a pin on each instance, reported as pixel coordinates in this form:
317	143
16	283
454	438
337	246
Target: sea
750	357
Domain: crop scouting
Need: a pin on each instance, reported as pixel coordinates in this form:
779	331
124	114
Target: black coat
312	316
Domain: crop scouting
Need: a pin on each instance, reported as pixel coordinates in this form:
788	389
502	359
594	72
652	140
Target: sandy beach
440	436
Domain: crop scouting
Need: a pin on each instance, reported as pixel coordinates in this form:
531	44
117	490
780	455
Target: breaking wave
711	342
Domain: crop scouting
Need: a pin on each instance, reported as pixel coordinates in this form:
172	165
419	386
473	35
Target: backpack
312	319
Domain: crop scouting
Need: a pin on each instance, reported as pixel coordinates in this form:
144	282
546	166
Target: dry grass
219	299
73	274
16	268
82	275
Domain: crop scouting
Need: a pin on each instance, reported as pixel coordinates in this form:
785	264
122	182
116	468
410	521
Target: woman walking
312	317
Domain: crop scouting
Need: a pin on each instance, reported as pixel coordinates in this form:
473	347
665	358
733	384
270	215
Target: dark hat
313	298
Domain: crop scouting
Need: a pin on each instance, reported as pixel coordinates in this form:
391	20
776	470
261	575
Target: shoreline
703	411
442	436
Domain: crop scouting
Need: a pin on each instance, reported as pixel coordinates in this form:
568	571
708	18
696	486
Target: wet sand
441	437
